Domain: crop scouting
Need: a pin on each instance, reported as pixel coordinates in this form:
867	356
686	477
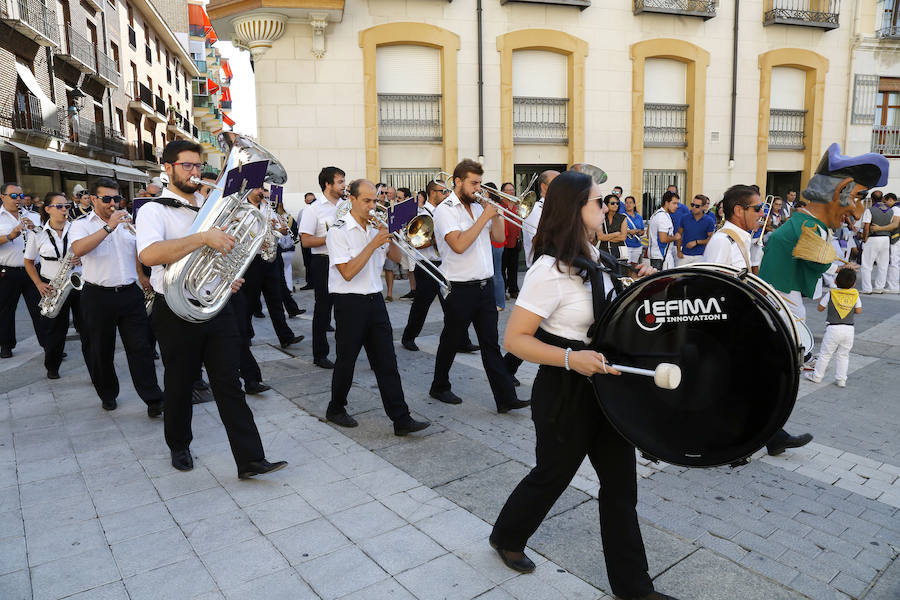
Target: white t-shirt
562	299
316	218
50	246
113	262
660	222
346	240
721	250
477	261
12	253
534	218
157	222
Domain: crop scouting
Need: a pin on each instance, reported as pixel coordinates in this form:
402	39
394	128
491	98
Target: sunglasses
59	206
756	207
190	166
108	199
696	205
613	203
17	196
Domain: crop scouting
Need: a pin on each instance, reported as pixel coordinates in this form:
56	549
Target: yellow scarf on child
844	300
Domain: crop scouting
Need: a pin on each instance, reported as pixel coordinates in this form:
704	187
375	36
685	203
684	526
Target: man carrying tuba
162	239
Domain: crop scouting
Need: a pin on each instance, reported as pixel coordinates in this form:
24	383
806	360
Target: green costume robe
780	269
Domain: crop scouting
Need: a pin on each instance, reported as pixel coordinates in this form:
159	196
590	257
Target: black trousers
55	331
105	310
361	321
466	305
318	270
568	428
512	362
14	282
426	291
307	258
510	265
287	299
266	278
249	369
214	344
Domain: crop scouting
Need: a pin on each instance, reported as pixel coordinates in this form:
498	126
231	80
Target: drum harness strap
740	244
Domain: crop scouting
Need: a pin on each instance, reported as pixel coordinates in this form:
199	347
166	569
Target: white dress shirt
660	222
12	254
722	250
476	262
346	240
157	222
112	262
430	252
49	248
317	218
562	299
534	218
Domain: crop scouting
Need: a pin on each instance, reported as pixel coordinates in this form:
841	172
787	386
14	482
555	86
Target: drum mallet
666	375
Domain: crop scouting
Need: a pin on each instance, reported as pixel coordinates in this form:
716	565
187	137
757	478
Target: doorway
779	183
522	175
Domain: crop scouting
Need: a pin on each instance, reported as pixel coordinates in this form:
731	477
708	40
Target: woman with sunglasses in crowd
52	245
548	326
615	227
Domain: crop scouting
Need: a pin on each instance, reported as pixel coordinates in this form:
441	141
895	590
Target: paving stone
151	551
309	540
387	589
179	483
366	520
454	528
401	549
16	585
12	555
244	561
334	497
327	574
136	522
816	589
60	513
110	591
50	490
125	496
283	585
53	544
722	546
200	505
281	513
849	584
73	574
11	523
444	578
219	531
185	579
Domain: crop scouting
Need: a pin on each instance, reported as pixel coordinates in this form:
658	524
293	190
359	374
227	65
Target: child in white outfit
842	304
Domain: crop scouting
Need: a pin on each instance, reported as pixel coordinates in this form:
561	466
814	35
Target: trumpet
28	225
408	246
524	204
767	208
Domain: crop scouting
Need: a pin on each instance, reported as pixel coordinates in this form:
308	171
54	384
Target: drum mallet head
666	375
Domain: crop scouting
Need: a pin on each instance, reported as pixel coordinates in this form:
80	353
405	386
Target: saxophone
269	249
62	284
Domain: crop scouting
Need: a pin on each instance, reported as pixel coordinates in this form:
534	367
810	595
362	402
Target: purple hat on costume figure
869	170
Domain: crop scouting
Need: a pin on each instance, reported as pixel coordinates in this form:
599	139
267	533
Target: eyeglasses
59	206
756	207
190	166
696	205
108	199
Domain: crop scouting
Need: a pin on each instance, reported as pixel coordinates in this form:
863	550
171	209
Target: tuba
198	286
63	283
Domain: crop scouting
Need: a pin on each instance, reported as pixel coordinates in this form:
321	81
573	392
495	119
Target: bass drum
739	360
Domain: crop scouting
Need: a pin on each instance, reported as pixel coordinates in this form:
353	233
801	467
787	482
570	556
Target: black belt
115	288
371	296
7	268
475	283
829	324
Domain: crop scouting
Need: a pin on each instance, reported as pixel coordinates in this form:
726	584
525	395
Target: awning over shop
96	167
51	159
130	174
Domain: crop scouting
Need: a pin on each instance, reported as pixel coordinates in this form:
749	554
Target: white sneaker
812	377
841	383
877	291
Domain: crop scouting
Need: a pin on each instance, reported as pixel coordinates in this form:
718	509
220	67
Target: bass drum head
738	359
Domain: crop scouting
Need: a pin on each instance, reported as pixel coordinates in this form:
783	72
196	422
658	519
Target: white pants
838	340
288	257
634	254
794	301
893	273
876	251
688	259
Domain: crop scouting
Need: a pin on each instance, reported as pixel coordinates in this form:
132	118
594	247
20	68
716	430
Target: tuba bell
198	286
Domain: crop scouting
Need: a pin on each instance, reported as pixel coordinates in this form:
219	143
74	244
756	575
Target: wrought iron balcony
33	19
823	14
540	120
100	137
787	129
76	49
888	27
143	152
409	117
107	72
706	9
195	131
141	98
28	117
665	125
886	140
160	107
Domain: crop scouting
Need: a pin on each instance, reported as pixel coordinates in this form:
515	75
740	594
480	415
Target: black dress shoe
155	409
52	374
522	565
65	354
409	296
181	460
650	596
504	408
201	385
470	347
779	443
294	340
411	346
258	467
342	419
256	387
329	329
308	286
409	426
259	314
446	397
296	314
516	382
109	404
5	352
323	363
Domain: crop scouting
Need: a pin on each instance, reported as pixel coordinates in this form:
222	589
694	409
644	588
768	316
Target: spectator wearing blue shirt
696	229
635	224
681	210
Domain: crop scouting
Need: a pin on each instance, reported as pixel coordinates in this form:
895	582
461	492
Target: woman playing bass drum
549	326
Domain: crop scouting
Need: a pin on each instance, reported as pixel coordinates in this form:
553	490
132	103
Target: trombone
524	204
767	207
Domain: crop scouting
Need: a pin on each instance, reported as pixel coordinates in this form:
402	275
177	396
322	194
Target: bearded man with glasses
112	298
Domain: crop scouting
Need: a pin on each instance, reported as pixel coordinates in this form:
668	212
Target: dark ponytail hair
561	232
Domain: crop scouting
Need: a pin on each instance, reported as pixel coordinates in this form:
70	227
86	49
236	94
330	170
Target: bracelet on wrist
568	350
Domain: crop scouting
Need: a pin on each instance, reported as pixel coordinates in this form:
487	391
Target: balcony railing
208	138
143	151
786	129
106	68
886	140
888	27
201	100
27	116
540	120
823	14
201	65
160	106
705	9
101	137
139	91
195	131
225	104
409	117
665	125
76	49
33	19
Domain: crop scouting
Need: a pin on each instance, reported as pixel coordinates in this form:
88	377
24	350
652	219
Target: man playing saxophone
162	239
56	265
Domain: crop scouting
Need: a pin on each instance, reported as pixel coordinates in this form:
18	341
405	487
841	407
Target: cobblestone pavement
90	507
